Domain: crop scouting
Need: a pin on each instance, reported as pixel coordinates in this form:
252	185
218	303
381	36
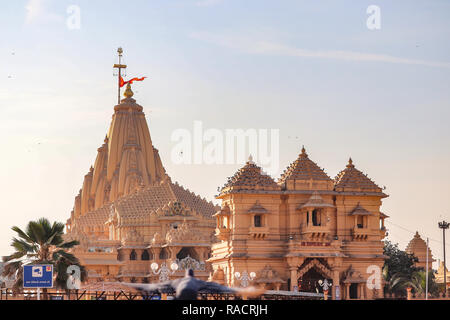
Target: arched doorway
187	251
310	281
311	273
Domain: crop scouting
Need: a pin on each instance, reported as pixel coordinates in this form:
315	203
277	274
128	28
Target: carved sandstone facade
305	228
130	214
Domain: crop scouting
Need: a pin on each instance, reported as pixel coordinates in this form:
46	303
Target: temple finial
350	163
128	92
250	159
304	154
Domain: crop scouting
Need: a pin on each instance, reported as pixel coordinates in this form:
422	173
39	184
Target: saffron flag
123	82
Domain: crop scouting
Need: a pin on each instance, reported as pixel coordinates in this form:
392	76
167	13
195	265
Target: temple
418	247
129	214
288	235
439	276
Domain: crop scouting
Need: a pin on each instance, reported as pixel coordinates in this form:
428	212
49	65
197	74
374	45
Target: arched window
315	217
225	222
145	256
360	222
187	251
163	255
133	255
257	220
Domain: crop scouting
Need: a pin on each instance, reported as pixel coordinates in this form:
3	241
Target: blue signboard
38	276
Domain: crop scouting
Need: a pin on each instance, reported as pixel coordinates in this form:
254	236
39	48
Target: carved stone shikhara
129	213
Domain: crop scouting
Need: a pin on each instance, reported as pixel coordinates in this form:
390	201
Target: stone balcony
258	232
222	233
360	234
311	232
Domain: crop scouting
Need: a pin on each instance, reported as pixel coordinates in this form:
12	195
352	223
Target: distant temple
418	247
304	228
439	276
130	214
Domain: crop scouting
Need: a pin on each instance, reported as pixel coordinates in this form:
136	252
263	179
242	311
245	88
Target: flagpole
120	75
426	276
119	66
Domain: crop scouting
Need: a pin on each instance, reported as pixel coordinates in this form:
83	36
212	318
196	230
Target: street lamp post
444	225
164	272
325	285
245	278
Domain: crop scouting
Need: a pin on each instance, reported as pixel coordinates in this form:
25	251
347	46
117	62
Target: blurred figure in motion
187	288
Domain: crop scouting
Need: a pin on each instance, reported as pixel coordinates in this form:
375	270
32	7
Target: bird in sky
187	288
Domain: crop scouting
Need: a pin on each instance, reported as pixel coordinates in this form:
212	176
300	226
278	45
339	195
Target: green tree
417	281
400	272
398	268
41	243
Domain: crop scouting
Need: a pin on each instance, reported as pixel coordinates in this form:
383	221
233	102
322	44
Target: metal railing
53	294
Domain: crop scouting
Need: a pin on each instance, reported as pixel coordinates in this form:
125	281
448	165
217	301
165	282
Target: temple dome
353	180
250	178
305	174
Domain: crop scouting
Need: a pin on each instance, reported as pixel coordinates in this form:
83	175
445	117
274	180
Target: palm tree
417	281
41	243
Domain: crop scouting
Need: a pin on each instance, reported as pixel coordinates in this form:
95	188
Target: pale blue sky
309	68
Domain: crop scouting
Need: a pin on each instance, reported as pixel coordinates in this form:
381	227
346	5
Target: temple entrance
310	282
311	273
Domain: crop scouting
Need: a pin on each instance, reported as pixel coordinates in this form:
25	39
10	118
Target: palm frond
14	256
36	232
22	234
22	246
69	244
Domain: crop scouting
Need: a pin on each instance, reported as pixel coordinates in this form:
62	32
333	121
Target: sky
311	69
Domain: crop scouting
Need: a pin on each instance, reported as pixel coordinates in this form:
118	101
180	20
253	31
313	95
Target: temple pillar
347	291
294	279
173	251
335	284
156	251
361	291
